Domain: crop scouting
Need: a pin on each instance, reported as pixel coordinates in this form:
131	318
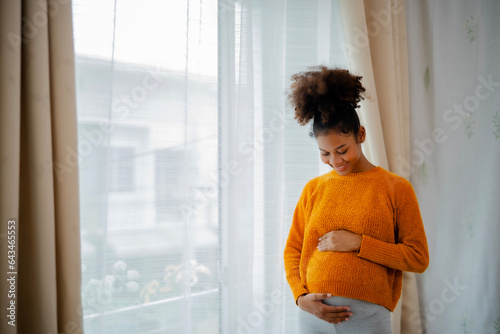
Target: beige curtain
376	46
38	179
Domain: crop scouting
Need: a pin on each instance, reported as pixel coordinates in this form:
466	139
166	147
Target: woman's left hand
340	241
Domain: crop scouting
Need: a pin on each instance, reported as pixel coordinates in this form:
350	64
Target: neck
363	165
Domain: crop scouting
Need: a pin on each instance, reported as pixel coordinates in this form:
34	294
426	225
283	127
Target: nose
335	160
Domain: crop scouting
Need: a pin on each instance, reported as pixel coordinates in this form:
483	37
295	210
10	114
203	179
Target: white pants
367	318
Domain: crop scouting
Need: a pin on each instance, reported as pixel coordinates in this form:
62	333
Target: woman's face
342	152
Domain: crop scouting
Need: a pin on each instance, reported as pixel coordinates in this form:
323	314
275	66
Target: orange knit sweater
380	206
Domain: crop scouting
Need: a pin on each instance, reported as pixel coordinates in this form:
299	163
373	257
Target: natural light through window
146	149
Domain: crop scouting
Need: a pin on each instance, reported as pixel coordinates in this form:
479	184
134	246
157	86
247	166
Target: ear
361	135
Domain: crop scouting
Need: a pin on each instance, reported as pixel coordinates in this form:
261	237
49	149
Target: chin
344	172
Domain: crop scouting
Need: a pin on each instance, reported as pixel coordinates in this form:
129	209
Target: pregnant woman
356	228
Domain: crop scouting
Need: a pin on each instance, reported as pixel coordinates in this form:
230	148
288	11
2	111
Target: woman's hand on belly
340	241
313	303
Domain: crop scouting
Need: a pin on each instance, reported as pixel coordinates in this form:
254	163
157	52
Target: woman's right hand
313	303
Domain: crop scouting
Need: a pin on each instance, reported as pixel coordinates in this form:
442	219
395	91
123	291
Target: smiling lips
341	168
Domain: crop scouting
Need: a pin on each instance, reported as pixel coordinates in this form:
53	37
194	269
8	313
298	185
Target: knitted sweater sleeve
410	252
293	248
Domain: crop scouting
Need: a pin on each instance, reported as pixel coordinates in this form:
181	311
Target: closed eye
325	154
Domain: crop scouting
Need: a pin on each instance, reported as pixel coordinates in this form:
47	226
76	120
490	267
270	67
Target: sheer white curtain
190	161
261	44
454	50
147	117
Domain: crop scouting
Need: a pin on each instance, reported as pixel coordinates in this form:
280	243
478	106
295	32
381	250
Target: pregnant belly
343	267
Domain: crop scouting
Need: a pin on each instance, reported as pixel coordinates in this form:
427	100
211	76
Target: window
121	176
147	147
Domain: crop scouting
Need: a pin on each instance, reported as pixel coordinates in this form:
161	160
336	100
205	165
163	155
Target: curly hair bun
322	93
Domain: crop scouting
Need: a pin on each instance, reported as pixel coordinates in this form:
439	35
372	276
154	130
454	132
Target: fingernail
346	319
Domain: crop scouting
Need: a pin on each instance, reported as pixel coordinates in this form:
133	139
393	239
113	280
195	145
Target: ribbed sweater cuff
297	287
375	250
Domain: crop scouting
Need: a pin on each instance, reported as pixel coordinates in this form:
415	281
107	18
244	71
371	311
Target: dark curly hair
329	97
